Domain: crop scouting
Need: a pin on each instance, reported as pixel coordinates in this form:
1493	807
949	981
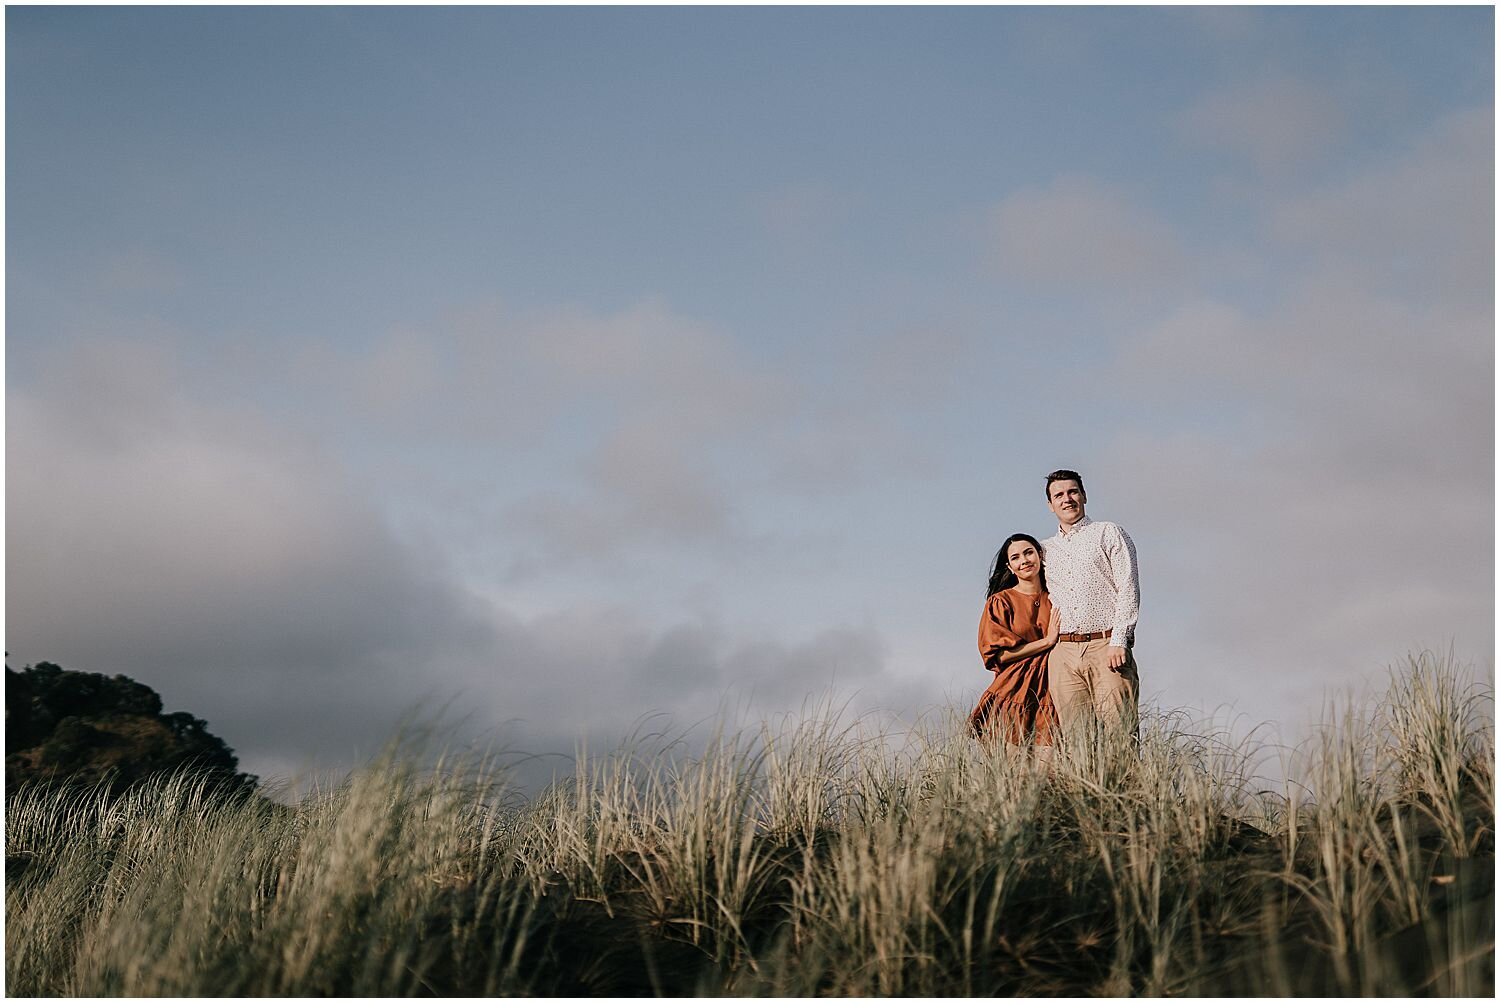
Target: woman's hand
1054	622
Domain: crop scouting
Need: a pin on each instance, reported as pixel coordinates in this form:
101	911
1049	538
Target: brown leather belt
1095	636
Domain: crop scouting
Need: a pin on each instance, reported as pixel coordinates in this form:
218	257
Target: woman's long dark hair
1001	577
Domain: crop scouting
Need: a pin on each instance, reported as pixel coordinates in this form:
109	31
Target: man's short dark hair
1063	475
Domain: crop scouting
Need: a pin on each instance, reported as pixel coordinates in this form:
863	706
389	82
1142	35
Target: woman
1016	631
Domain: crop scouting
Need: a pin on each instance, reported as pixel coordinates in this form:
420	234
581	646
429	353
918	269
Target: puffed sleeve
995	629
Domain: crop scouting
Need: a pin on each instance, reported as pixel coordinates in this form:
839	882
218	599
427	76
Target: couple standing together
1058	626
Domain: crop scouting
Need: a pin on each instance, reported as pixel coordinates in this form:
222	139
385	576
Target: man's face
1066	499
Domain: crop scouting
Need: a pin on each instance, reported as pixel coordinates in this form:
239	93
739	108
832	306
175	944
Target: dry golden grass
813	859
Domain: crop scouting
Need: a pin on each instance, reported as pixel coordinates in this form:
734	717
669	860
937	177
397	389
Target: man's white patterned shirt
1092	580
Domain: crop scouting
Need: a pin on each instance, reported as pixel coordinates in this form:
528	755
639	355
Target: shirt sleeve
1120	551
995	631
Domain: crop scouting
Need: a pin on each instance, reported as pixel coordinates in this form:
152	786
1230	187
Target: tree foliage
86	727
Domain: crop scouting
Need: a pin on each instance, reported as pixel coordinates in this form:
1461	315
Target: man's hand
1116	656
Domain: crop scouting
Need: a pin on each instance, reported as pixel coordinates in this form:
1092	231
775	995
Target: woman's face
1023	560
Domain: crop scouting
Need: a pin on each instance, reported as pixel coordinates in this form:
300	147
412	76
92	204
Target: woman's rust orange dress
1017	705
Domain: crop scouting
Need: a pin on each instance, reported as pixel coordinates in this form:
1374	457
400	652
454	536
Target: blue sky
575	364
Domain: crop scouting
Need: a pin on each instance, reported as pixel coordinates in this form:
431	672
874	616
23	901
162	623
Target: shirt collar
1074	528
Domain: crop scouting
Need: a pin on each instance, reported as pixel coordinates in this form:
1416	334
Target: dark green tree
86	727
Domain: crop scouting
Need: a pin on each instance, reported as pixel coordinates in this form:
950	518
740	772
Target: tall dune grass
816	858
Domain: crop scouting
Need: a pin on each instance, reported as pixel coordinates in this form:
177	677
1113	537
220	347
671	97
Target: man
1093	584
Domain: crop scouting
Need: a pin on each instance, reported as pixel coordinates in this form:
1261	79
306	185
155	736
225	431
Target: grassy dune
814	860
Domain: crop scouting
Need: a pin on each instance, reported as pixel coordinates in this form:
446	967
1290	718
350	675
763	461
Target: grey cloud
1212	340
634	412
1278	122
1323	572
909	367
869	423
1353	520
803	217
225	562
695	421
609	665
841	450
599	673
657	418
1421	222
648	467
400	375
647	355
140	270
1079	231
648	480
1222	24
1345	337
215	558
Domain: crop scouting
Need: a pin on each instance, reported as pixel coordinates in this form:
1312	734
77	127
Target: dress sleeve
996	633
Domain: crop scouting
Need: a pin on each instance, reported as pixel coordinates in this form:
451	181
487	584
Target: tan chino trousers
1087	693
